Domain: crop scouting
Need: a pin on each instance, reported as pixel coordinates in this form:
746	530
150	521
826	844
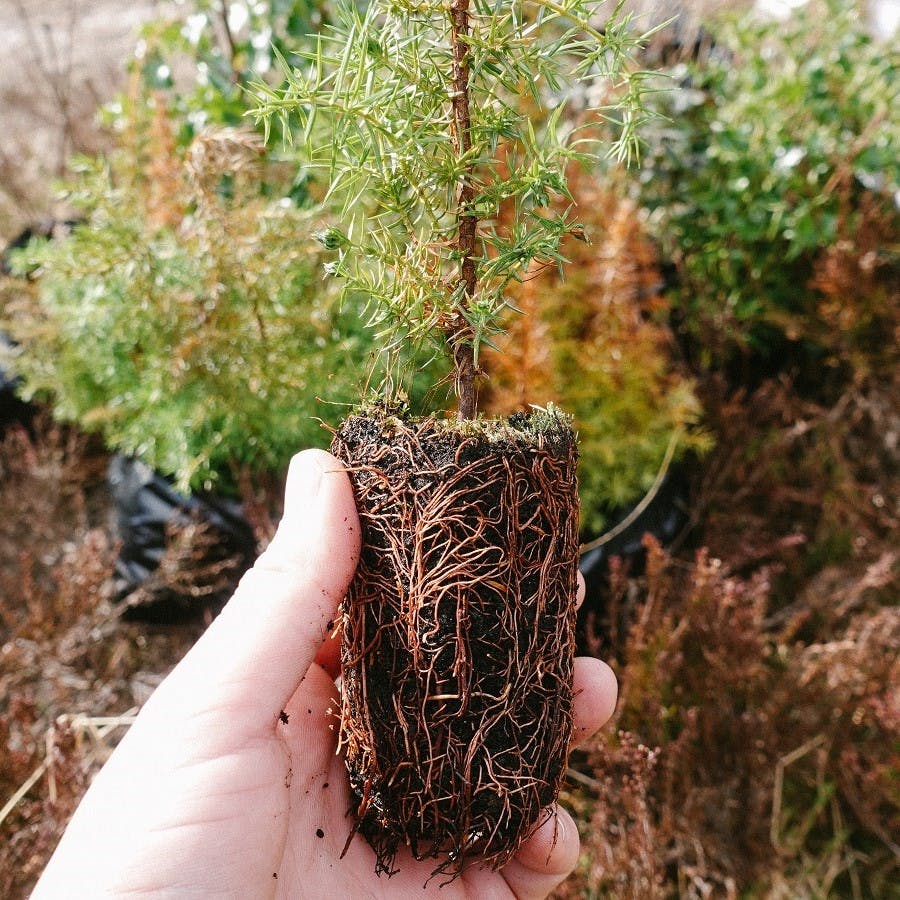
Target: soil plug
459	631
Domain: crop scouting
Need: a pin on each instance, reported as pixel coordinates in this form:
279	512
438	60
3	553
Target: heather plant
772	188
749	761
70	670
48	473
760	674
801	487
621	835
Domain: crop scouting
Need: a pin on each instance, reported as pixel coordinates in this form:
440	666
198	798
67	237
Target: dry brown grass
70	669
761	677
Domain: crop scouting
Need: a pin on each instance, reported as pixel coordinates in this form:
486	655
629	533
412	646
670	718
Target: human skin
228	783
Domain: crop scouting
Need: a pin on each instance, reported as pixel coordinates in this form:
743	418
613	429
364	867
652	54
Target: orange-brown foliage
596	316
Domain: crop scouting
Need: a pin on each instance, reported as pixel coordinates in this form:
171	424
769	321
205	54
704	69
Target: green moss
519	428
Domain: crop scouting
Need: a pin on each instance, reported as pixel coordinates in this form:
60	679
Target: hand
228	785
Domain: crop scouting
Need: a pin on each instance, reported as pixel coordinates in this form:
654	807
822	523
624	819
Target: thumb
546	859
255	654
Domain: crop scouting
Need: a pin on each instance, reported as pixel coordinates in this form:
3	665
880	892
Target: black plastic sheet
148	512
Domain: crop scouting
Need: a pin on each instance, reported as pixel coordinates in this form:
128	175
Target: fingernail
303	483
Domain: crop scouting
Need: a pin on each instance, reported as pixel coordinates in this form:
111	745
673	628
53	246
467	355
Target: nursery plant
458	629
771	178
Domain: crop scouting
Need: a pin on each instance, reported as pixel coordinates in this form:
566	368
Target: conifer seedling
430	118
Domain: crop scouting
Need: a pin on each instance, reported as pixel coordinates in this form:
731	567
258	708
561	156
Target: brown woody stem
459	332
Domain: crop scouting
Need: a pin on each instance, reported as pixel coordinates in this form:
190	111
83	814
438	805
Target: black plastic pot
46	229
13	409
666	518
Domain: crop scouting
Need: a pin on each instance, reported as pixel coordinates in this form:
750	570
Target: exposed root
458	634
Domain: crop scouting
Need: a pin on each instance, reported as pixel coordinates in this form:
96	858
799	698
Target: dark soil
459	632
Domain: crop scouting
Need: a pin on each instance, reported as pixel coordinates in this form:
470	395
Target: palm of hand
297	776
211	793
258	811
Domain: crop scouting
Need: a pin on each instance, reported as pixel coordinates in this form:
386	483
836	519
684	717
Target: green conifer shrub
184	318
772	183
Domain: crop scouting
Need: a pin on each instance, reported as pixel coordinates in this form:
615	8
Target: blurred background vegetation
235	347
733	323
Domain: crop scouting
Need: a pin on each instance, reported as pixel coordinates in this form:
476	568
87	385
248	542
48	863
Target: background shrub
588	342
772	185
184	317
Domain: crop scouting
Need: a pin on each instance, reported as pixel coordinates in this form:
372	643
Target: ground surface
58	60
